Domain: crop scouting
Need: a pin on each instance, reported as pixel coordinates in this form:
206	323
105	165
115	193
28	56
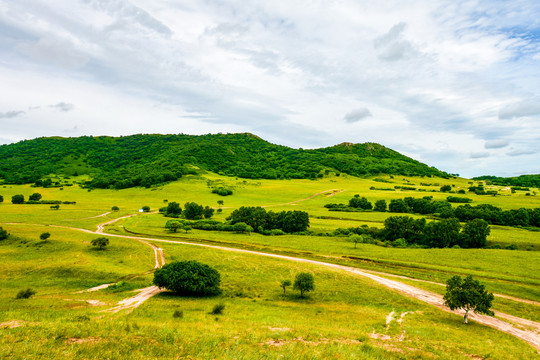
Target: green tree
100	242
398	206
208	212
17	199
115	208
355	238
173	225
441	234
380	205
45	236
1	198
173	209
304	282
446	188
220	202
35	197
193	211
187	228
146	208
285	283
188	278
474	234
360	202
3	233
467	294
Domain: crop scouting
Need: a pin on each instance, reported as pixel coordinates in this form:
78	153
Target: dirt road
530	336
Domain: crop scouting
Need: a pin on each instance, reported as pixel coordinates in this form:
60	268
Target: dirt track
531	337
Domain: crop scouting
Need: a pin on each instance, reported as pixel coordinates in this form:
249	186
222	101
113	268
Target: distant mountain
521	181
145	160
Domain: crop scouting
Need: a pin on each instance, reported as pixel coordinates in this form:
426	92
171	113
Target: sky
454	84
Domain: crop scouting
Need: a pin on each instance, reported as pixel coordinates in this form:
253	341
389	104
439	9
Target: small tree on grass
17	199
285	283
35	197
146	208
304	282
356	239
1	198
100	242
188	278
115	208
3	234
467	294
45	236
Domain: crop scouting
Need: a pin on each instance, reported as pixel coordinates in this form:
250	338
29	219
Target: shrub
17	199
115	208
146	208
45	236
100	242
178	314
25	294
188	278
35	197
218	309
3	234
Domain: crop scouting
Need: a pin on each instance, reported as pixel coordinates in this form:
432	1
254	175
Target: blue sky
453	84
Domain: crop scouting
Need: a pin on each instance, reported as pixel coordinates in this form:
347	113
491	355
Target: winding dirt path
530	336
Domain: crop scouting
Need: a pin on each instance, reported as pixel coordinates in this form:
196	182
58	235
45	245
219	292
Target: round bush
188	278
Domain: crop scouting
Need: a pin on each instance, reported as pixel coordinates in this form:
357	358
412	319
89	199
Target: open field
351	312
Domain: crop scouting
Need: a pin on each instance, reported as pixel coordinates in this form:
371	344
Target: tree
187	228
35	197
17	199
356	239
474	234
467	294
193	211
285	283
3	234
208	212
188	278
360	202
115	208
173	225
100	242
146	208
220	202
173	209
45	236
398	206
380	205
1	198
55	207
446	188
441	234
304	282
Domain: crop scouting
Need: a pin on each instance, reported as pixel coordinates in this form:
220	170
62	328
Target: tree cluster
222	191
495	215
262	221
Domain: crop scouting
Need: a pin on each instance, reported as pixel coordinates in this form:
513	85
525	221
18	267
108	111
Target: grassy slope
511	272
344	318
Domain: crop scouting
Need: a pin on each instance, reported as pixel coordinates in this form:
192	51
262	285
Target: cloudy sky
455	84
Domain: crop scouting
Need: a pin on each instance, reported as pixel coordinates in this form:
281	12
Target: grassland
345	317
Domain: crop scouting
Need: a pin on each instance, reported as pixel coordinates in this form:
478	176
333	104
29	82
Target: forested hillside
521	181
144	160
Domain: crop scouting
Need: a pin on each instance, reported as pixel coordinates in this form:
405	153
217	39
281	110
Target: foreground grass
345	317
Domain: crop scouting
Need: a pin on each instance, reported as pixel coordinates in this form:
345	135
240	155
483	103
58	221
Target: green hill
145	160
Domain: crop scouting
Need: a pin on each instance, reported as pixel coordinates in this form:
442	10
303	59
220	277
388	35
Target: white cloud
479	155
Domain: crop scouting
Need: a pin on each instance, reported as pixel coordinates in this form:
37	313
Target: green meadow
345	317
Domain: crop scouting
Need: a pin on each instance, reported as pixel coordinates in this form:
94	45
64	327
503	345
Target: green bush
25	294
218	309
100	242
45	236
188	278
3	234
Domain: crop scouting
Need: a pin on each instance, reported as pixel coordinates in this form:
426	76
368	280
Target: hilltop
145	160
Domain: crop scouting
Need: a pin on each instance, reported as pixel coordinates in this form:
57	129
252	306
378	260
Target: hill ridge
148	159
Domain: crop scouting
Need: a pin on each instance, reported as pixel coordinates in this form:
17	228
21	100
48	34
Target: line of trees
191	211
261	220
405	230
